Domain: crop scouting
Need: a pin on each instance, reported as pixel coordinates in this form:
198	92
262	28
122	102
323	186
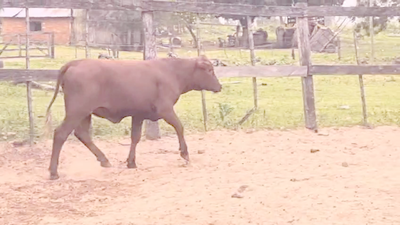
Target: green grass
280	99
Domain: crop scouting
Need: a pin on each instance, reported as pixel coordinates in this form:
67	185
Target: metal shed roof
34	12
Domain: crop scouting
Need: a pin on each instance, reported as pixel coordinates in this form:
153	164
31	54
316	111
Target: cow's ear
203	57
202	62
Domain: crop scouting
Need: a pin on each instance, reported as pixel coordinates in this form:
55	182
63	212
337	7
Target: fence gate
41	45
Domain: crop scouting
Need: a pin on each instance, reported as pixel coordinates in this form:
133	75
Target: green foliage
173	18
224	110
379	23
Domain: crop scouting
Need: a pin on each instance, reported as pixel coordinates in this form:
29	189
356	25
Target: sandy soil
344	176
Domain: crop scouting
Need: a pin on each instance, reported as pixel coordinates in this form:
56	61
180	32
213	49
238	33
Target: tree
187	19
379	23
243	39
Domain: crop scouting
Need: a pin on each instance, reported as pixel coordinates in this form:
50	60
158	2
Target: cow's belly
152	117
117	116
109	115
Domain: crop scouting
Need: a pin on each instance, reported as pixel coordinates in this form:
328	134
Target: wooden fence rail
206	8
23	75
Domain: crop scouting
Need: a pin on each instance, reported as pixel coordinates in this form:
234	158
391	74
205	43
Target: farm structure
43	21
69	27
236	177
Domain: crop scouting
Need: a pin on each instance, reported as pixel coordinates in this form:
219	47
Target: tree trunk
189	28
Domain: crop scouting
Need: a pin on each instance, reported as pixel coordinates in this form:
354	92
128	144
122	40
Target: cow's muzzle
218	89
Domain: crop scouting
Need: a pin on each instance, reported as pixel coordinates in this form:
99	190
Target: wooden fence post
152	130
339	48
28	83
371	33
307	82
203	94
252	58
48	45
52	46
361	81
87	34
71	27
87	54
19	45
73	34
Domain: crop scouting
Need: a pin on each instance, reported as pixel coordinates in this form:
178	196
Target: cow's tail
48	124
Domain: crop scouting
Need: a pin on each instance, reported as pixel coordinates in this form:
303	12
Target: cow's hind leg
82	133
136	132
61	134
172	119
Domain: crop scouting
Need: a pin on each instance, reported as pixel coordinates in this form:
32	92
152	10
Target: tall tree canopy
379	23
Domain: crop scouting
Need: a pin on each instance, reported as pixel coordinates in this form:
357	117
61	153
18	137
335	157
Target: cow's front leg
136	132
172	119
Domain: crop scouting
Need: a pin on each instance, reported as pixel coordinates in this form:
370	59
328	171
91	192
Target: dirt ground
340	176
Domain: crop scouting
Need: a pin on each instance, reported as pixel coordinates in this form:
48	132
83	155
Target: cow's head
204	76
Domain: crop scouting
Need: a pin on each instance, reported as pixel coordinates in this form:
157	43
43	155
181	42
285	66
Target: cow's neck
184	70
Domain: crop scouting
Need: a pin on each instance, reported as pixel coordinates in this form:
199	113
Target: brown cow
115	89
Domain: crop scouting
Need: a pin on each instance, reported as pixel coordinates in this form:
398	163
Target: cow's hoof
131	165
185	156
105	164
54	177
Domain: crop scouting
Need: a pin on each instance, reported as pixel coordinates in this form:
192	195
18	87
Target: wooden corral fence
306	70
43	42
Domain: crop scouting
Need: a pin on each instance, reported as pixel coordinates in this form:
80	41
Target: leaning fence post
152	130
28	83
305	60
253	63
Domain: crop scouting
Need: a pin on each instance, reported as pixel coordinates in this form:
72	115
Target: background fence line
306	70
